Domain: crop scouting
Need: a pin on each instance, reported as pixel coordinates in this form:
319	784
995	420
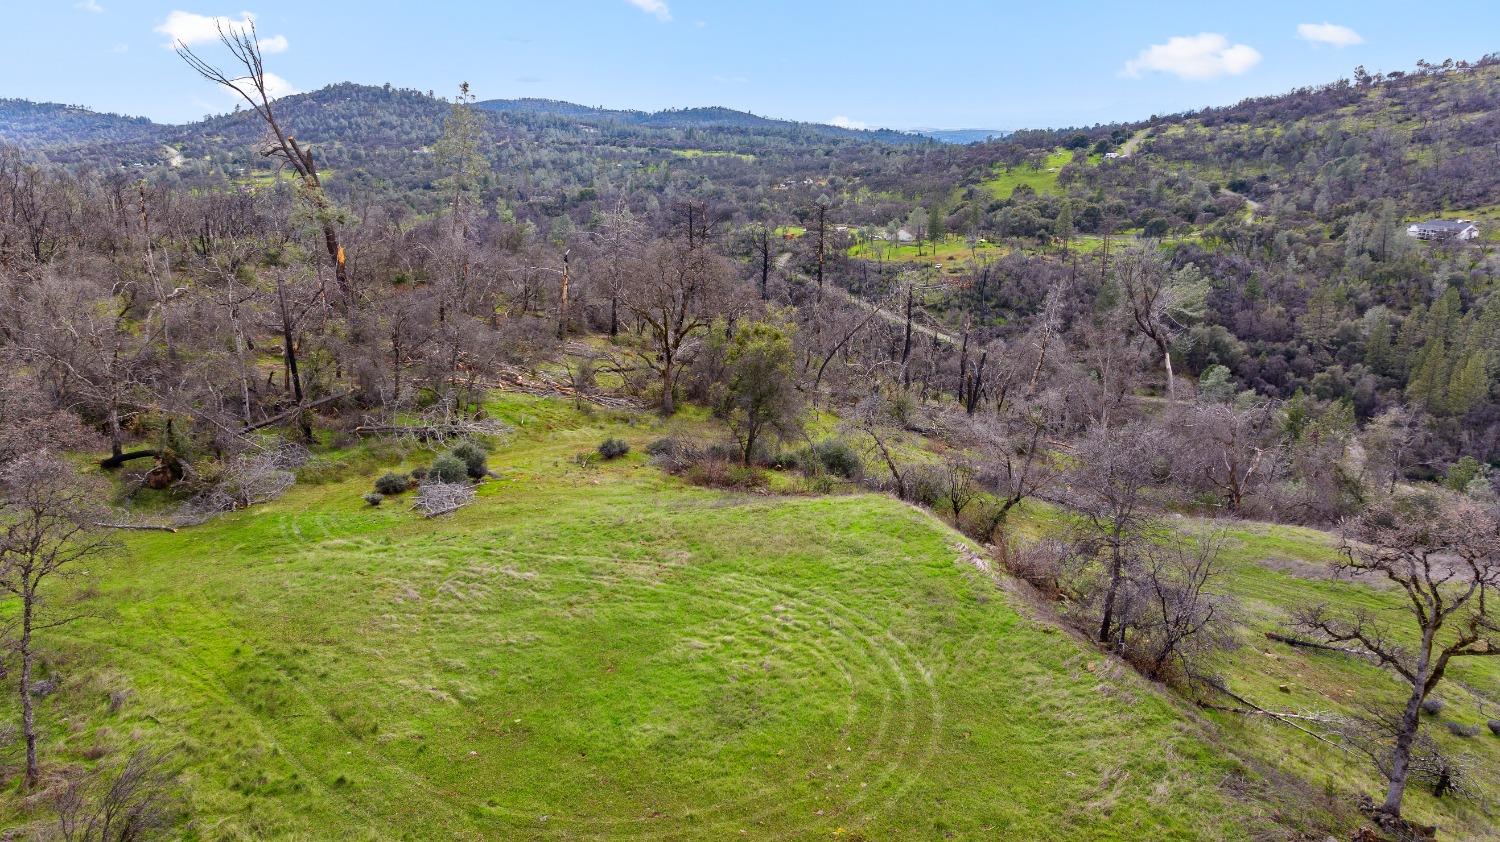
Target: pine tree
1469	385
1379	355
457	151
1429	380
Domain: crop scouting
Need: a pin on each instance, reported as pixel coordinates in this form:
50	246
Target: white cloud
276	87
192	29
653	7
1203	56
845	123
1329	33
90	6
120	49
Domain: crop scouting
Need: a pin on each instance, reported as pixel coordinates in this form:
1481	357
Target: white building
1443	229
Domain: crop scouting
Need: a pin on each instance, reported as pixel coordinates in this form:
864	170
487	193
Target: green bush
613	448
392	484
837	458
448	468
475	458
1463	472
374	498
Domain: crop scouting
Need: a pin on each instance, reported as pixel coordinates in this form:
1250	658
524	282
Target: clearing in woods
1042	179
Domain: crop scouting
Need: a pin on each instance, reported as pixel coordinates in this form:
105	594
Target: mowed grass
953	253
604	652
1042	179
713	153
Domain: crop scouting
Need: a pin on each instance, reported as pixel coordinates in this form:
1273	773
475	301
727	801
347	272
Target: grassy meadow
600	651
1041	179
593	652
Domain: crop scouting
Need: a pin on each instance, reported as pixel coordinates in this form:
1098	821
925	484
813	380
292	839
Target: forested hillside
374	465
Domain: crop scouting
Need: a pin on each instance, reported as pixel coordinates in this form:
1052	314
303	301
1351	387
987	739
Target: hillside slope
606	653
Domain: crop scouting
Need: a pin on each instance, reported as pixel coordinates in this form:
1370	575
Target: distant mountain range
41	125
962	135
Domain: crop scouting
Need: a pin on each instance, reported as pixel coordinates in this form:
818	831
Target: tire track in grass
858	631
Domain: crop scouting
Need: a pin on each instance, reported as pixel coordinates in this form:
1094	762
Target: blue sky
940	63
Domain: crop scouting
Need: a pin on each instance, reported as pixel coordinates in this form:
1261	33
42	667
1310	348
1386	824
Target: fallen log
112	462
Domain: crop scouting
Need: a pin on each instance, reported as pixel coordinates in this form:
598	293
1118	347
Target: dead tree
244	45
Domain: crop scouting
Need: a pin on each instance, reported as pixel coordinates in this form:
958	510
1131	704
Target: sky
862	63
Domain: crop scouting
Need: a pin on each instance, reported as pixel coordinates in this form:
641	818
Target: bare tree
617	244
676	295
872	417
1015	461
135	803
48	517
1230	450
959	486
1444	555
244	45
1111	487
1180	618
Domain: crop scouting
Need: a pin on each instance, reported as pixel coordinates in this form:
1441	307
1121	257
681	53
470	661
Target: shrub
673	455
613	448
837	458
447	468
374	498
1458	729
418	474
1432	706
392	484
1494	726
474	457
924	485
721	473
663	447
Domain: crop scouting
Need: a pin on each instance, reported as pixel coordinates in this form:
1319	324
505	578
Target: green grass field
1042	179
603	652
607	653
713	153
953	249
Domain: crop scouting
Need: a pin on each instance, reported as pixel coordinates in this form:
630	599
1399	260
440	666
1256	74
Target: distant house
1443	229
1111	155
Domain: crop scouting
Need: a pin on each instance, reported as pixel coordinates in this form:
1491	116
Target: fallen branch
143	527
543	385
440	498
282	416
1253	709
1311	644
